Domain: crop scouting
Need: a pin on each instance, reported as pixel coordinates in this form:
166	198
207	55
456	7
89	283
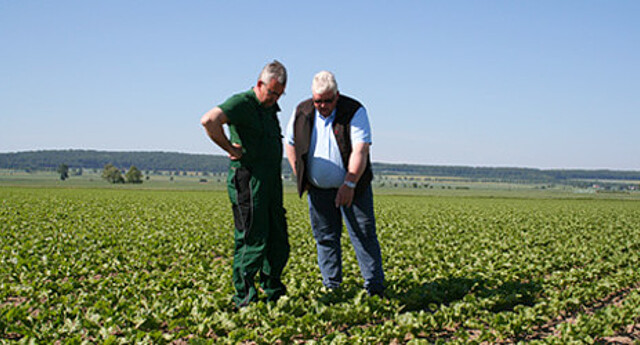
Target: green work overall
254	184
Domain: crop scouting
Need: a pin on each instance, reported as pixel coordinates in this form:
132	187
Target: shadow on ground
505	296
412	296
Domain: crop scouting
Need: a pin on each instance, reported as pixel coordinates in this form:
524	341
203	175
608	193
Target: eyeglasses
324	101
273	93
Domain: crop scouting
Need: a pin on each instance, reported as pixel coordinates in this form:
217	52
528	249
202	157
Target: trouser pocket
243	209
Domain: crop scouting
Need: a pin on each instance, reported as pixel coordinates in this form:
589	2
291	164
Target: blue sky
541	84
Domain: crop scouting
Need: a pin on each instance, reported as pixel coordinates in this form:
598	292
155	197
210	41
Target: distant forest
87	159
173	161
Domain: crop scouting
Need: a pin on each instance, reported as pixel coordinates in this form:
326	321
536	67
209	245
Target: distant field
383	184
112	265
94	179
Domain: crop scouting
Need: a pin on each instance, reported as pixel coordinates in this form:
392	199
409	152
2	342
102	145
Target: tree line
492	174
90	159
173	161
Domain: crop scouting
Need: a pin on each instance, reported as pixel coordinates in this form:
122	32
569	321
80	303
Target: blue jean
326	223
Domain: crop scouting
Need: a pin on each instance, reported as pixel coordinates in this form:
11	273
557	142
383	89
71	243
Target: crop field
113	266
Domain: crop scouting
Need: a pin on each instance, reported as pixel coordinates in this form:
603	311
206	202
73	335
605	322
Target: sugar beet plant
121	267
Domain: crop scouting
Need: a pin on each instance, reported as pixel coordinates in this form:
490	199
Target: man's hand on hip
237	152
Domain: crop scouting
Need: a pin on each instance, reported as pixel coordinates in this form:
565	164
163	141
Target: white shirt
325	162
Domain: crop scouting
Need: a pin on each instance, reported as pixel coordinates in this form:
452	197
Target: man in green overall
254	183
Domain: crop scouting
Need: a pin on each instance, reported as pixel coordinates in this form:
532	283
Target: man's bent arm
212	122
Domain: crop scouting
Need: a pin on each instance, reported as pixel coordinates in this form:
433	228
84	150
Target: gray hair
273	70
324	82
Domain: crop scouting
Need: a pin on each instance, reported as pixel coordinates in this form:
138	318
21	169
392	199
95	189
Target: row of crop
151	266
523	262
83	265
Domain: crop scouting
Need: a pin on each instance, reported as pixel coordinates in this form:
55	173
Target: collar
254	98
329	118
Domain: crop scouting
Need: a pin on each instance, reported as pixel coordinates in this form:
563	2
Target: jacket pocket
243	208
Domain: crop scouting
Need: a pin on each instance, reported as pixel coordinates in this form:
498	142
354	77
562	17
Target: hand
236	153
344	196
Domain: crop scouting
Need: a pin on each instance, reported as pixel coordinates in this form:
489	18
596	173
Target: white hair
324	82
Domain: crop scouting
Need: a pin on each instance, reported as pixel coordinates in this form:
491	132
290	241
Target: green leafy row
123	266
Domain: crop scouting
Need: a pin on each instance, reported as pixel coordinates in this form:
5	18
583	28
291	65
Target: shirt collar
328	118
252	95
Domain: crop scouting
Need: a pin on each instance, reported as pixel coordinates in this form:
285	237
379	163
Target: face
269	93
325	102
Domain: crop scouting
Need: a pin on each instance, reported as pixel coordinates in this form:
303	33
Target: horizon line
373	162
